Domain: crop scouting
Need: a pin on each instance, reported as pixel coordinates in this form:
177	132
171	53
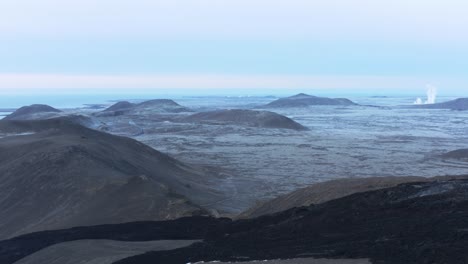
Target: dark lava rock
410	223
304	100
25	111
243	117
325	191
61	175
460	104
181	229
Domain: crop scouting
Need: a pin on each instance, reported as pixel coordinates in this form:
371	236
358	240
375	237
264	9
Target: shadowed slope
64	175
98	251
324	192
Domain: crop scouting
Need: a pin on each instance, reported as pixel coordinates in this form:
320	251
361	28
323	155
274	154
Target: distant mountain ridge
459	104
26	111
305	100
156	106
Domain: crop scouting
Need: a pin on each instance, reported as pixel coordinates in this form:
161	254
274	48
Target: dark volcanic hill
119	106
57	174
243	117
330	190
304	100
419	222
460	104
26	112
168	104
459	154
152	106
325	191
43	112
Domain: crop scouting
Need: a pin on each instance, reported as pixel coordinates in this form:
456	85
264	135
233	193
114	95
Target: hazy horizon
82	99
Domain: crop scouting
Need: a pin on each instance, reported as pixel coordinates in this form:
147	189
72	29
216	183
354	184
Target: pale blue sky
259	44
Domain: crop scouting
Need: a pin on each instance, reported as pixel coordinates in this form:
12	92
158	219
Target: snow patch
16	134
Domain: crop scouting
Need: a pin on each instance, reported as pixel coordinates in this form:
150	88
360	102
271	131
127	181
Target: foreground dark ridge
56	174
330	190
411	223
195	227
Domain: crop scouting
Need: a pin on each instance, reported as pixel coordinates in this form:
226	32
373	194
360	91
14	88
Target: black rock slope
325	191
410	223
26	111
61	175
243	117
460	104
102	251
304	100
181	229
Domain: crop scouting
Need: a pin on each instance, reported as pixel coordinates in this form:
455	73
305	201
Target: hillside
57	174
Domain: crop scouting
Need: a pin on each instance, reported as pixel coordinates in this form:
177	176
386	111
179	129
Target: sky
145	45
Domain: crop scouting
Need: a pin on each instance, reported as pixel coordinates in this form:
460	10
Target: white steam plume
431	96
